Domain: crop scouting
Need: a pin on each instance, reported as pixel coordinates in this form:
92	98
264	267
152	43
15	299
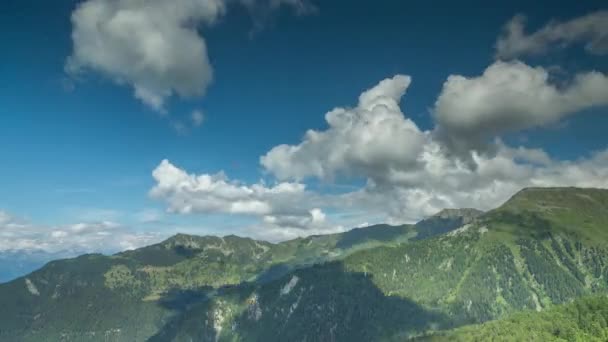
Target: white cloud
510	97
591	29
25	246
287	205
197	117
18	235
370	139
153	46
187	193
409	172
439	181
442	181
406	195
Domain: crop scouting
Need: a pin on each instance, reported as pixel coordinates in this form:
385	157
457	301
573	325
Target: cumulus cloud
409	173
443	181
436	182
372	138
591	29
510	96
286	204
186	193
153	46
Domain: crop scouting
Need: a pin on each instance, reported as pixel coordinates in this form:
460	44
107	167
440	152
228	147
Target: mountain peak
179	237
467	214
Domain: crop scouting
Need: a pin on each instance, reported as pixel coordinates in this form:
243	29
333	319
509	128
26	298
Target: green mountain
511	259
128	296
585	319
542	248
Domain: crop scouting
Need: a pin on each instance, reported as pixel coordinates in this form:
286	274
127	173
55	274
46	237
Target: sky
123	122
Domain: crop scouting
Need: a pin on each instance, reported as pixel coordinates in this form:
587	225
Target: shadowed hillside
321	303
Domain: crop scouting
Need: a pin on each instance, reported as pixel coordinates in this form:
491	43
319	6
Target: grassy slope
585	319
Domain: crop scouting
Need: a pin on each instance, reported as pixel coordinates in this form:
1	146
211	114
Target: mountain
543	247
297	252
511	259
127	296
585	319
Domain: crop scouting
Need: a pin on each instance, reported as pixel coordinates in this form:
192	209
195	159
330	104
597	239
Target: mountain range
461	274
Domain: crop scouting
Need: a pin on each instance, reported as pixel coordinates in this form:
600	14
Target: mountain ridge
397	284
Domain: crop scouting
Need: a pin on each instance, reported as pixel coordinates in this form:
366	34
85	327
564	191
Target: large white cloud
372	138
510	96
591	29
443	181
186	193
287	205
410	173
437	181
154	46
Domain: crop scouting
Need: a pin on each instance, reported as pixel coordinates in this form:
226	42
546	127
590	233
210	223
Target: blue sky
80	148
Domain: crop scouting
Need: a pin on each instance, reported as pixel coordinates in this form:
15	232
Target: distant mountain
541	248
14	264
128	295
